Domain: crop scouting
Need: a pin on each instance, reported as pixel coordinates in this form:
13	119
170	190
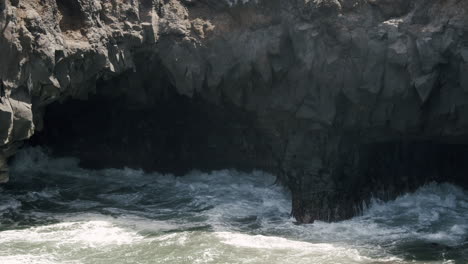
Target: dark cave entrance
397	167
387	169
138	120
379	170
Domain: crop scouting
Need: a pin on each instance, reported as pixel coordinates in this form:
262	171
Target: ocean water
53	211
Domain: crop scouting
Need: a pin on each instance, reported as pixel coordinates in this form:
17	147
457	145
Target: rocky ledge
342	99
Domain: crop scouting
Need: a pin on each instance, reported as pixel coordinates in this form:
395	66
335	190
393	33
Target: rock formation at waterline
342	99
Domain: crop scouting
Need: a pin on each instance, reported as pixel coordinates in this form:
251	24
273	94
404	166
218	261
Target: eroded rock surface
330	84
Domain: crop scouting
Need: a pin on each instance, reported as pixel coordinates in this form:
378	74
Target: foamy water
52	211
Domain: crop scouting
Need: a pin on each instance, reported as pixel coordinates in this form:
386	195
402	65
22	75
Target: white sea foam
28	258
85	234
237	2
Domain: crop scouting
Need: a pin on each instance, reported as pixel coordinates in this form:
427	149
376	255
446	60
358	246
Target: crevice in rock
2	89
72	16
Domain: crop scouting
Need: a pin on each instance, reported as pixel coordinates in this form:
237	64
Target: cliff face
343	99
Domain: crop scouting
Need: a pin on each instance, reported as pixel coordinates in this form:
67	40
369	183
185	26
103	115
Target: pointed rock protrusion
424	85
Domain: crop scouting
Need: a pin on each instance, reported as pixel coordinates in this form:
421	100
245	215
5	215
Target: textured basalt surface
342	99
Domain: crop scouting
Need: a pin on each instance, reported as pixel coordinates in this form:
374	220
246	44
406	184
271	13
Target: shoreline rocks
327	84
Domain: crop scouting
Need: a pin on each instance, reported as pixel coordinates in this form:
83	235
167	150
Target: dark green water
52	211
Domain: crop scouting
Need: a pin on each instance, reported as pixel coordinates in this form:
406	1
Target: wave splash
53	211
